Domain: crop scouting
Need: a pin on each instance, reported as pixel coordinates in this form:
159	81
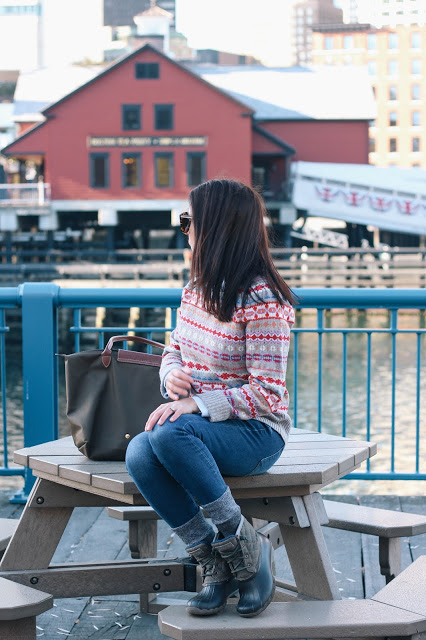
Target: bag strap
106	353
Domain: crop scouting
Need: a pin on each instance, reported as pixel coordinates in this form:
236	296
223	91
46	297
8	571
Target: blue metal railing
9	299
314	346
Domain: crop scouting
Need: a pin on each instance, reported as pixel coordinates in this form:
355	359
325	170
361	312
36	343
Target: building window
196	167
392	41
392	67
393	92
415	118
371	145
163	118
371	41
131	170
372	123
131	117
393	118
416	66
372	67
328	42
416	40
99	170
147	70
393	145
374	91
415	92
415	144
163	170
416	164
348	42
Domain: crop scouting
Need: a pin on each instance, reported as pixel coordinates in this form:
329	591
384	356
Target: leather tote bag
110	395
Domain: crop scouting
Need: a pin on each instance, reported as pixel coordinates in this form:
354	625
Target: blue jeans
179	464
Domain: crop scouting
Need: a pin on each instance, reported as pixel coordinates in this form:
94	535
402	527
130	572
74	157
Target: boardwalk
354	558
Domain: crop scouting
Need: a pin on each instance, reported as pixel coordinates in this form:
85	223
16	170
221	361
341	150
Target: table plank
359	455
284	475
51	464
371	447
85	472
132	497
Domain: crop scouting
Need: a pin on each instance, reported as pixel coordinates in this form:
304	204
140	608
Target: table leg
38	533
308	556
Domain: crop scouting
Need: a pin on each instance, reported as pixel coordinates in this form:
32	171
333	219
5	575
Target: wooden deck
354	557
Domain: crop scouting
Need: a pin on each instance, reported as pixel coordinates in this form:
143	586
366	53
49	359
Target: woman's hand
174	409
178	383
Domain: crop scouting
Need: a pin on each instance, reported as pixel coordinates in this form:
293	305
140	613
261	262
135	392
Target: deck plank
88	525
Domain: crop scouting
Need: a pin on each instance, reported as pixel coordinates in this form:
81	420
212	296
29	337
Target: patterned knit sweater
238	367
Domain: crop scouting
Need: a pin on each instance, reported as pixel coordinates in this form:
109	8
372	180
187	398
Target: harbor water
331	399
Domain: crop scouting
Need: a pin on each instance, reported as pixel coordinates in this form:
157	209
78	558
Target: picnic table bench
397	610
286	499
286	496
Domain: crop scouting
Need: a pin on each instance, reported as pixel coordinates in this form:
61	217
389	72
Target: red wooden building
123	150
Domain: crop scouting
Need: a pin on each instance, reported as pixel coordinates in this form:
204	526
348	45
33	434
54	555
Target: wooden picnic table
286	497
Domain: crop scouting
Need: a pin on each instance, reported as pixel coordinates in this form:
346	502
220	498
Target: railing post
40	370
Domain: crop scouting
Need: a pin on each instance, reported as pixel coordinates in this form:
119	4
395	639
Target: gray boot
218	582
250	557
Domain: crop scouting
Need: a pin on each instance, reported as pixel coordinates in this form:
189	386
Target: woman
224	371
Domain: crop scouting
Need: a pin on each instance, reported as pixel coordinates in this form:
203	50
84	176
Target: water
356	393
307	410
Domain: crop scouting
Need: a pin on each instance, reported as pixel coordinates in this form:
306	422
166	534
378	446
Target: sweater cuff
202	407
217	405
164	372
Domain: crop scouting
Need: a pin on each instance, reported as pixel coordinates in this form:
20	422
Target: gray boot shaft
214	568
241	552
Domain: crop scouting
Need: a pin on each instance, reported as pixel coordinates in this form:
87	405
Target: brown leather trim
136	357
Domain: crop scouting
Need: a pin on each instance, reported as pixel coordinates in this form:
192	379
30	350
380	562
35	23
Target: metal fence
21	195
327	335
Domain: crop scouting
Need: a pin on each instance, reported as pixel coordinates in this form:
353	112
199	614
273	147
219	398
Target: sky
255	27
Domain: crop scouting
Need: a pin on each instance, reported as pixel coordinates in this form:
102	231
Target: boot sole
195	611
204	612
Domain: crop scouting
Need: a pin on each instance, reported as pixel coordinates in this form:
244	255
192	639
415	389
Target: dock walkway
354	557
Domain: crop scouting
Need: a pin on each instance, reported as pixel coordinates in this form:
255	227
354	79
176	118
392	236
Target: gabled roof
155	12
27	133
288	150
134	54
147	47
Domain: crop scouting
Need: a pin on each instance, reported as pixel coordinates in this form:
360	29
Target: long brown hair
231	246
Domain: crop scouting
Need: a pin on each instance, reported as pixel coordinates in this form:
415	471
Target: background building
30	37
121	13
381	13
396	61
304	14
128	168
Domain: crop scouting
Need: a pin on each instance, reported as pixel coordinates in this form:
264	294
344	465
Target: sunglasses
185	222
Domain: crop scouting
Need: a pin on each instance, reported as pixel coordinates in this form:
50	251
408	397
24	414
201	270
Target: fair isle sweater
238	367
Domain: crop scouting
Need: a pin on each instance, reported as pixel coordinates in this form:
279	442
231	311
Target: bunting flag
408	206
380	204
326	194
353	198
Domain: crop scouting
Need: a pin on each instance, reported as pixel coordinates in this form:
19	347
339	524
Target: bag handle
106	353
